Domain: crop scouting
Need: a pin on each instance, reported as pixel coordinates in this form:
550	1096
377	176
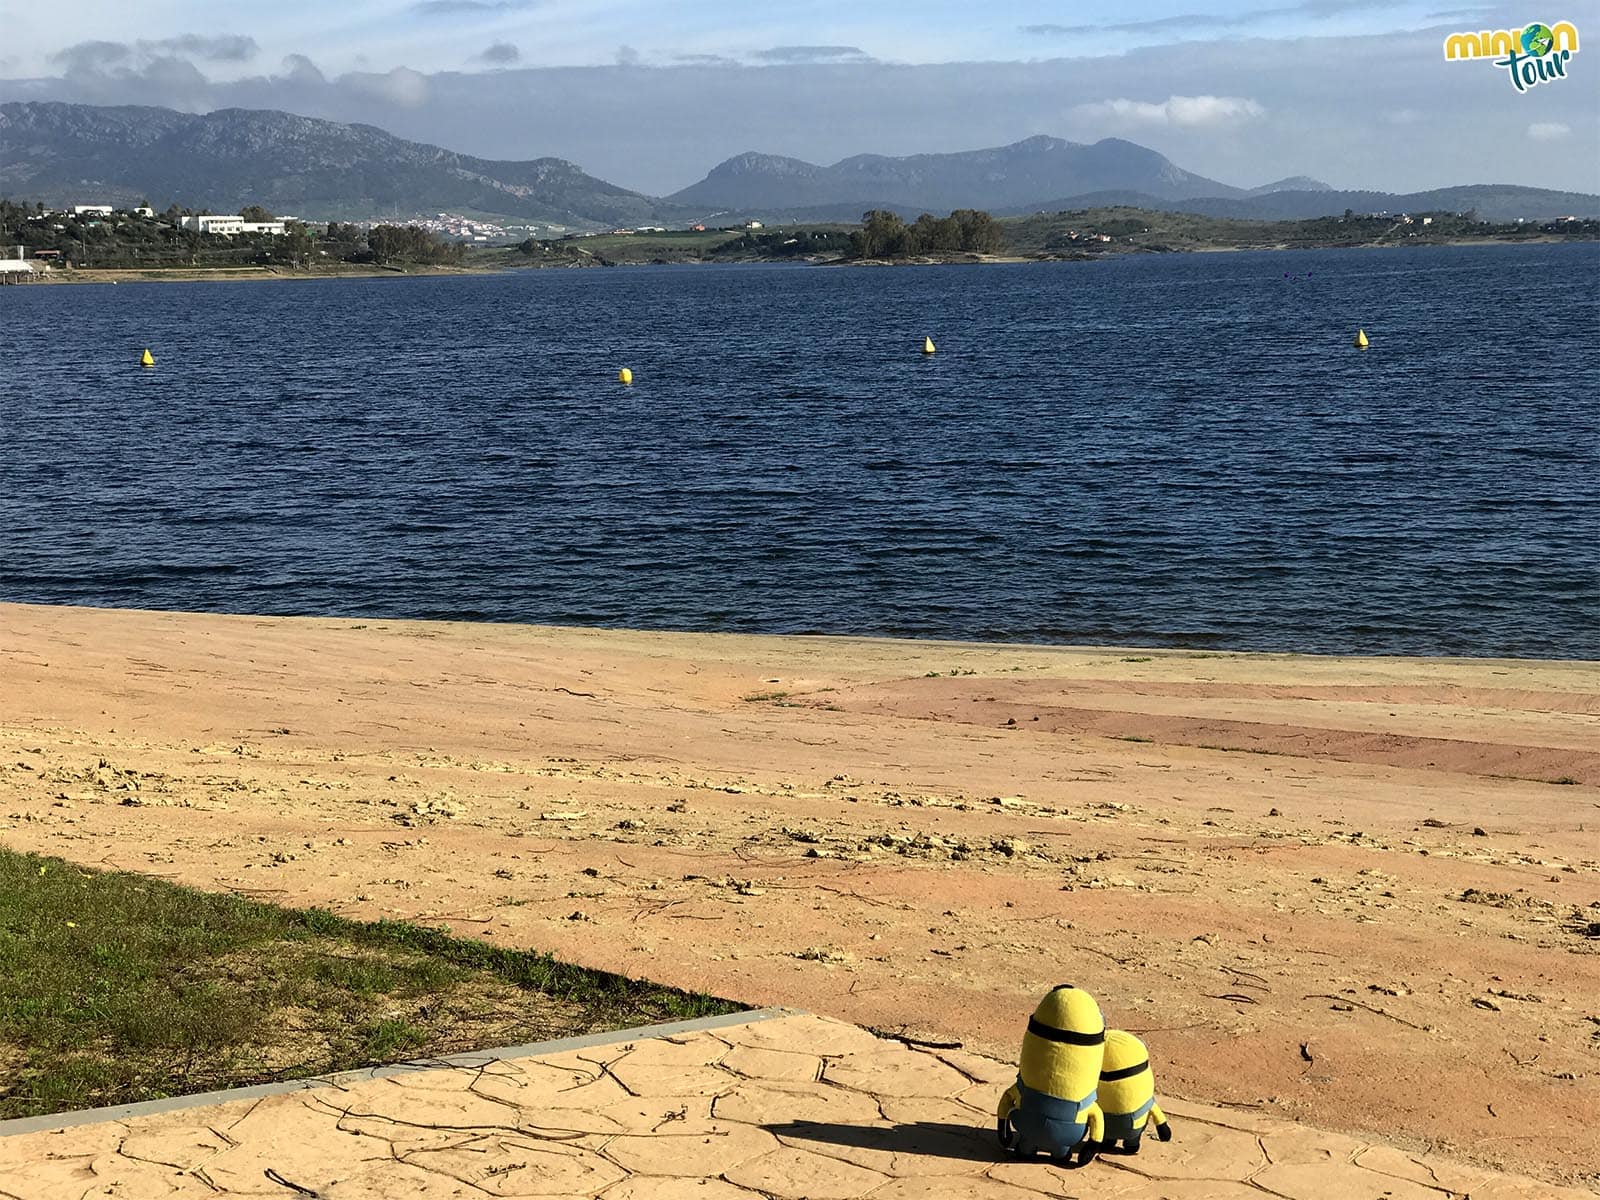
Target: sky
651	96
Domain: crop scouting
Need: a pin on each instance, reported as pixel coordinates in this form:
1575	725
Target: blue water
1176	450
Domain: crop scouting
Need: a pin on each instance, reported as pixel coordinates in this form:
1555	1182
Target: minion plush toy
1052	1105
1127	1093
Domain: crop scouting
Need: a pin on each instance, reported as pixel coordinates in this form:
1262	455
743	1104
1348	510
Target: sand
1348	892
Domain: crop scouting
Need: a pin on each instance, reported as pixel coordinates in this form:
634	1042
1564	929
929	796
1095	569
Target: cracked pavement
796	1107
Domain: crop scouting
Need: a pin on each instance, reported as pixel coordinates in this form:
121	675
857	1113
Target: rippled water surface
1160	450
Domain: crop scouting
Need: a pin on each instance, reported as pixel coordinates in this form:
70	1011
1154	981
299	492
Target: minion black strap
1069	1036
1123	1072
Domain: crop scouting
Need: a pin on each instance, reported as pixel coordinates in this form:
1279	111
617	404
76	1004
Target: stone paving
788	1106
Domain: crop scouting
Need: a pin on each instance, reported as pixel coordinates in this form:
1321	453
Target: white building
15	265
228	226
91	210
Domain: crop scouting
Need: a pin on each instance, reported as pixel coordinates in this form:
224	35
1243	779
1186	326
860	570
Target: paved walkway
781	1105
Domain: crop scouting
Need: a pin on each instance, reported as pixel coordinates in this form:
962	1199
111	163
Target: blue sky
432	35
652	95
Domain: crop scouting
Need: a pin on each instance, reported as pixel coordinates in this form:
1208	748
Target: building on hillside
210	223
227	226
144	211
91	210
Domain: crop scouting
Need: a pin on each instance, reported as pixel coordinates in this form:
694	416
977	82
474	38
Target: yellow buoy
927	345
1361	339
147	359
624	376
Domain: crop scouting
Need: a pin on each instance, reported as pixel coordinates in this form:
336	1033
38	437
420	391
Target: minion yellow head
1062	1050
1123	1050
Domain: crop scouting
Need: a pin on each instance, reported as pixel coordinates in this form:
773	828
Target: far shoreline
776	640
103	275
119	275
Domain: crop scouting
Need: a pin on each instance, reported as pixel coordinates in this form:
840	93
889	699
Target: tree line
127	240
885	234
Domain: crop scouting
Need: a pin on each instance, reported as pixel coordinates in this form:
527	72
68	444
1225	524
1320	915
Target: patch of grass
1138	658
117	988
766	697
1132	737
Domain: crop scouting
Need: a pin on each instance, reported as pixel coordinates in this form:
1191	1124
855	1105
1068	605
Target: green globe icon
1537	39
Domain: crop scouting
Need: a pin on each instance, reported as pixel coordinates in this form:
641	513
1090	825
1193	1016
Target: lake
1179	450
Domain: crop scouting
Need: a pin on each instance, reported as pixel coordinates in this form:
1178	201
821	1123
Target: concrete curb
471	1059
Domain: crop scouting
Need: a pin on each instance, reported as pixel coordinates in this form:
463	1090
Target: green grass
118	987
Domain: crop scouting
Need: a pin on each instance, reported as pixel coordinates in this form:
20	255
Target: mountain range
286	163
1001	178
223	160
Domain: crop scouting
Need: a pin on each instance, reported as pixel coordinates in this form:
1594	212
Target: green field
118	987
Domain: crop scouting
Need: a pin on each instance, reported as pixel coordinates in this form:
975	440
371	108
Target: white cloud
1184	112
401	87
1548	131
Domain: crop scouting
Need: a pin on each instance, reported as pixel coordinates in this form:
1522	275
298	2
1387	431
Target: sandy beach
1359	893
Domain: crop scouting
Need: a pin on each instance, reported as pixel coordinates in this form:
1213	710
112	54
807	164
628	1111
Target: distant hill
64	153
1044	174
1004	177
76	153
1295	183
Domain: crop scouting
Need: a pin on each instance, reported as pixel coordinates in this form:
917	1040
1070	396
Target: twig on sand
1121	962
822	887
1368	1007
282	1182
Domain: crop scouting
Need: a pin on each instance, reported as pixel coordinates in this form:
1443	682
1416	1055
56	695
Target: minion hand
1094	1135
1008	1105
1159	1120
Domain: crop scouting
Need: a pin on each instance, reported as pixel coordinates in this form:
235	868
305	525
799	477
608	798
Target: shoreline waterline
740	643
